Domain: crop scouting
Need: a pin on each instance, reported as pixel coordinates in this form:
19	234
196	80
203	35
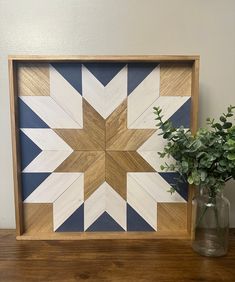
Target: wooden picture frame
183	68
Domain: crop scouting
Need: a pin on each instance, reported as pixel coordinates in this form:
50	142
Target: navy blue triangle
29	150
105	223
72	72
104	72
135	222
171	178
182	115
74	223
28	118
137	72
30	181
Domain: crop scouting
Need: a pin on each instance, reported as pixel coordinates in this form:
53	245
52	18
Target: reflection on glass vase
210	222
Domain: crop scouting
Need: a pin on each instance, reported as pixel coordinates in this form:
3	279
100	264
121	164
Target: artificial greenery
206	158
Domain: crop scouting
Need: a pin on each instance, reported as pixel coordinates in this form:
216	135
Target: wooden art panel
85	145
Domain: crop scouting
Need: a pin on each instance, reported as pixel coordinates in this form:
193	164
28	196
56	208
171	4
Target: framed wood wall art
85	145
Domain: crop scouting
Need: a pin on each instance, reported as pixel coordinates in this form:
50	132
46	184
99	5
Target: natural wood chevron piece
80	161
38	218
130	161
119	137
94	124
117	164
94	176
78	139
175	79
115	176
33	79
171	216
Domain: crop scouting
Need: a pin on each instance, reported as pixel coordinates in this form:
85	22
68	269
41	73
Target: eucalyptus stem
201	216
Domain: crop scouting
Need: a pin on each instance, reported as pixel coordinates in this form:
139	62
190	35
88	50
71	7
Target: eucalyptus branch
206	158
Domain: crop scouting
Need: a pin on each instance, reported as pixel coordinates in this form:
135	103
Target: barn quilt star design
89	145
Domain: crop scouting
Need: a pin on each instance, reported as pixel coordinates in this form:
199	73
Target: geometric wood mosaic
88	146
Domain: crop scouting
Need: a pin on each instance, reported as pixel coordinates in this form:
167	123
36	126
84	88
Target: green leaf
231	156
167	135
223	119
218	126
190	180
227	125
203	175
200	155
162	167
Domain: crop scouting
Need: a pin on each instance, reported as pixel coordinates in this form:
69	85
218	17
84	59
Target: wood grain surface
175	79
38	218
119	137
105	150
33	79
95	58
112	260
171	216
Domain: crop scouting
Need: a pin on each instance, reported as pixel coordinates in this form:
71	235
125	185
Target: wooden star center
105	149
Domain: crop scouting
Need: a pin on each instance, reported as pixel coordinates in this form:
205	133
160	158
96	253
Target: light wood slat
179	234
168	104
94	206
105	198
171	217
97	58
38	218
175	79
105	99
94	176
15	147
46	139
33	79
47	161
66	96
156	186
116	206
50	112
194	126
52	187
141	201
68	202
154	159
79	161
143	96
119	137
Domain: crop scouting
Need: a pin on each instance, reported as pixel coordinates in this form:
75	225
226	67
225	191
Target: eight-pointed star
105	149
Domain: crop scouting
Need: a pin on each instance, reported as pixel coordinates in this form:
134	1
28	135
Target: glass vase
210	222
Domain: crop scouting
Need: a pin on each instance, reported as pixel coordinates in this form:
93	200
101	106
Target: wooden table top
110	260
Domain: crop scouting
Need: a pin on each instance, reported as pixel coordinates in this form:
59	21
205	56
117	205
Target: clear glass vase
210	222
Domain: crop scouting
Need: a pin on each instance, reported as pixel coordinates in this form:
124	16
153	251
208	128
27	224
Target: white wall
118	27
